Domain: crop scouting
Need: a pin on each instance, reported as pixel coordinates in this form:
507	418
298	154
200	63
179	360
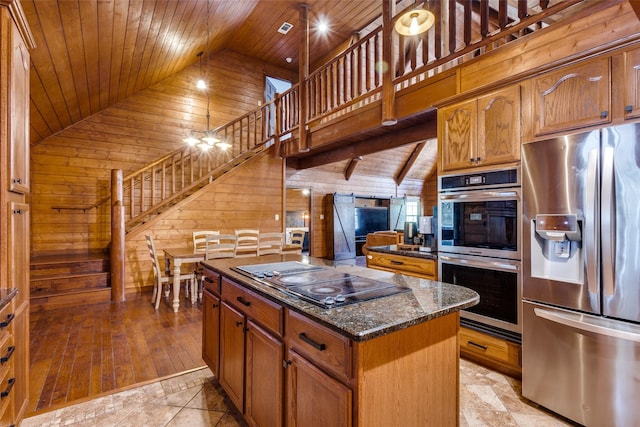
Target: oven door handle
481	264
481	196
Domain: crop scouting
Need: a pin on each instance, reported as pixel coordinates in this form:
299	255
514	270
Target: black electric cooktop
322	286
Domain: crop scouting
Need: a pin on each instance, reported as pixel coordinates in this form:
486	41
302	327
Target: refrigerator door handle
608	222
576	321
591	220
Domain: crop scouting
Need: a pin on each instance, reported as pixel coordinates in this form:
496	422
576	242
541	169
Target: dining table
174	258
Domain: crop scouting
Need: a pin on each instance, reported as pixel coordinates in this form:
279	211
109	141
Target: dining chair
270	243
247	244
297	239
220	246
199	239
160	280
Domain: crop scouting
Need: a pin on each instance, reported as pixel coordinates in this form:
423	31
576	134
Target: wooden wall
249	196
73	167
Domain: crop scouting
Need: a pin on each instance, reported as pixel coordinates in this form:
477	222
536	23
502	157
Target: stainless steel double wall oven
479	238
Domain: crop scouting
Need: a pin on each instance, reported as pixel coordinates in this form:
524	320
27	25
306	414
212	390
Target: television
370	219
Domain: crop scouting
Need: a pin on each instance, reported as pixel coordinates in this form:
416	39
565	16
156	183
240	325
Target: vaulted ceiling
91	54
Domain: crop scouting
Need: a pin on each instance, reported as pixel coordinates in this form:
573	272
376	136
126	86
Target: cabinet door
265	378
232	324
457	136
211	331
632	84
18	250
572	98
499	127
314	398
19	107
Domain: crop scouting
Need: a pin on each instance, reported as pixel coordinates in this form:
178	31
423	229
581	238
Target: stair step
67	299
66	282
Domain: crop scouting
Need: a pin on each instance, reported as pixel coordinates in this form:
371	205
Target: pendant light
414	21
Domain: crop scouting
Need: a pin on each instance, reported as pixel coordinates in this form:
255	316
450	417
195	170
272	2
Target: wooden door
631	81
457	135
265	378
211	331
499	127
314	398
19	110
232	324
343	228
572	97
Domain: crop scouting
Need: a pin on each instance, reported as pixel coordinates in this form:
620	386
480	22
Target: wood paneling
73	168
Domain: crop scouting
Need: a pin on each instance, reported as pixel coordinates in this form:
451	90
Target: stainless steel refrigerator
581	275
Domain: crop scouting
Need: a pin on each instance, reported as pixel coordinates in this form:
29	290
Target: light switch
321	216
277	217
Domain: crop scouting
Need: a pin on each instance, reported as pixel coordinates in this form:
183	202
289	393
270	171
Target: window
413	210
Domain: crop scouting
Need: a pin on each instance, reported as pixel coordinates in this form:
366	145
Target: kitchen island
389	361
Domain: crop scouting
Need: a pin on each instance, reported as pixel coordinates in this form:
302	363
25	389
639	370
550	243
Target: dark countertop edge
393	250
307	308
6	295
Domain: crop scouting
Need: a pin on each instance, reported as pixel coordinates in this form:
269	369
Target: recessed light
285	27
288	59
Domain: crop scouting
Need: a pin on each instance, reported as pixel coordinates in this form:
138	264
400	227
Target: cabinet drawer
267	313
211	280
6	319
425	268
323	346
486	346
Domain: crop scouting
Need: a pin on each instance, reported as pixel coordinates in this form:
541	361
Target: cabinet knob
18	211
628	108
239	323
478	159
471	160
604	114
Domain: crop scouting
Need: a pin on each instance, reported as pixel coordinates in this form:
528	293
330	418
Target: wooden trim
15	8
351	167
404	170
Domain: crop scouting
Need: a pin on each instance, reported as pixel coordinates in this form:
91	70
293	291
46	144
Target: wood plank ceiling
91	54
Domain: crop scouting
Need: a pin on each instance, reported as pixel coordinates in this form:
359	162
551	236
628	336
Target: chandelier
209	138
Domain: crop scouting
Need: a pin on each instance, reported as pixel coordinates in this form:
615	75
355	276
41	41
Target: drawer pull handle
286	363
243	302
239	323
8	321
208	279
17	180
215	305
5	393
394	262
311	342
6	358
480	346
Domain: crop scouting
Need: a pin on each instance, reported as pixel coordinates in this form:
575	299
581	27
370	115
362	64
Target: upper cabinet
572	97
480	132
19	111
631	79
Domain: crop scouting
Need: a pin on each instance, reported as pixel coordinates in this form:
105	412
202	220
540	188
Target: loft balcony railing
349	81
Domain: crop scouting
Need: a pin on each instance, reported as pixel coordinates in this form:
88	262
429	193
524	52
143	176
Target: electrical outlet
321	216
277	217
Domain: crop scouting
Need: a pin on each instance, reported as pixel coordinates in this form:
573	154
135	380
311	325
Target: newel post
303	75
388	93
117	237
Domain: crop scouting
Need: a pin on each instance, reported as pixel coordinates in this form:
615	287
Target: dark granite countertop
393	250
368	319
6	295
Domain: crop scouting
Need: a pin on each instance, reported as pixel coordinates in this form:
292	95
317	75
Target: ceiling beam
404	170
351	167
393	139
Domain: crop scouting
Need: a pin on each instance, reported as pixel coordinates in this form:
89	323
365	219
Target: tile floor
194	399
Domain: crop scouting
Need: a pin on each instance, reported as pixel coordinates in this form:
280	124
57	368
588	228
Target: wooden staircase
65	280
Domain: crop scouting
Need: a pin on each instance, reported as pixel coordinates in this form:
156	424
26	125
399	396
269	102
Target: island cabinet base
410	377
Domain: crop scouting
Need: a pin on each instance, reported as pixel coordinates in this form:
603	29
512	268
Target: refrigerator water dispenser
556	248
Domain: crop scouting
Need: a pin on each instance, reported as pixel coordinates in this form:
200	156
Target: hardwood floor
86	351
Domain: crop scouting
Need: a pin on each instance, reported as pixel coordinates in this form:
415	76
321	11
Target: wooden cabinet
631	79
314	398
401	264
15	42
571	97
480	132
251	353
502	355
211	331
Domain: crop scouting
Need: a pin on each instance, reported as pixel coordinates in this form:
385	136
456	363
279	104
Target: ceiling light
323	27
285	28
414	21
223	145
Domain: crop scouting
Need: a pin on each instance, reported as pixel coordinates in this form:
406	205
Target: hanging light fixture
209	139
414	21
